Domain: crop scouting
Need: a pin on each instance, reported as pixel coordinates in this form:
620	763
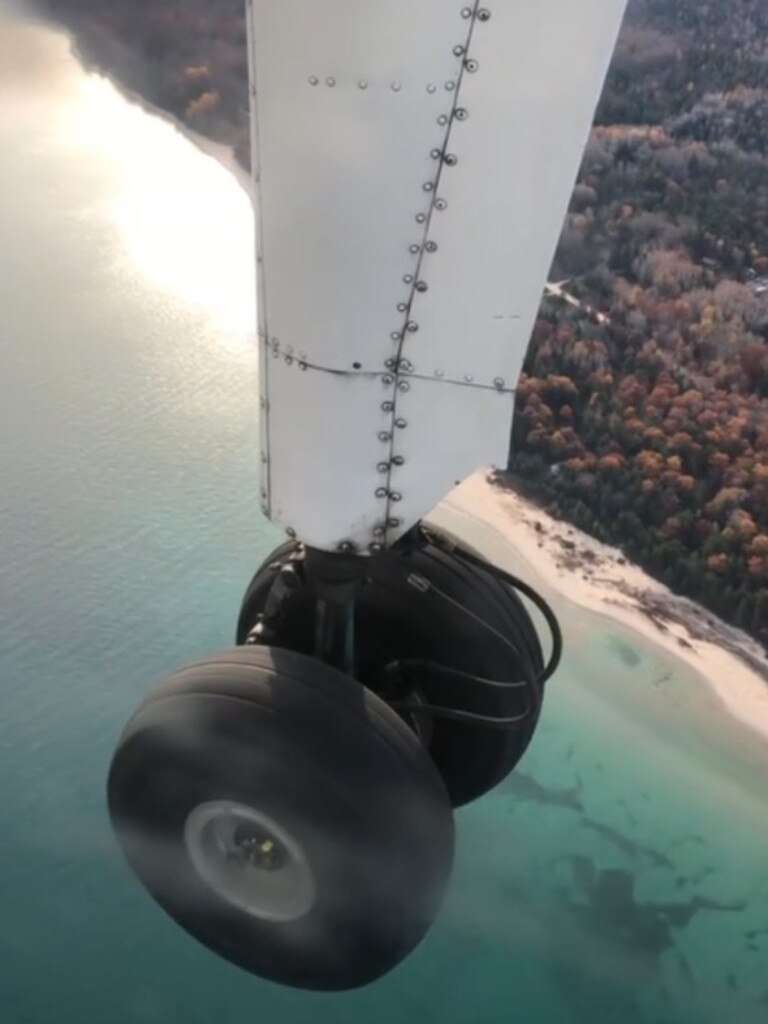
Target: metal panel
381	254
324	484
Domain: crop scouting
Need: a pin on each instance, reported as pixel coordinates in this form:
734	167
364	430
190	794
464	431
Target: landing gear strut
289	801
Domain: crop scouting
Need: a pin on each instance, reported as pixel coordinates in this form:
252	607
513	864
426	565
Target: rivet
408	278
313	79
395	496
302	365
404	386
458	50
443	119
384	437
390	364
461	113
398	460
378	531
387	379
468	378
402	307
421	286
395	336
498	382
451	159
346	546
362	84
396	87
375	548
431	246
330	81
436	154
393	523
441	204
428	186
406	365
401	424
412	326
387	406
381	492
466	12
383	467
291	532
439	373
414	249
289	360
420	218
471	65
483	14
431	88
450	86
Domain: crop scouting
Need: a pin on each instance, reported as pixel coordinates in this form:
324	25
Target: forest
642	413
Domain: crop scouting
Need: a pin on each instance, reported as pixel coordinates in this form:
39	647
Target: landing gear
289	802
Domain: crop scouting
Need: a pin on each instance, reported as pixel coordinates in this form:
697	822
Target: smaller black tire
284	816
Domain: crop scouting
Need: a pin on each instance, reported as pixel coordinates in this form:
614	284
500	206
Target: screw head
431	246
422	286
461	113
401	424
384	437
383	467
381	492
451	159
395	496
441	204
471	65
387	379
403	386
412	327
398	460
483	14
387	406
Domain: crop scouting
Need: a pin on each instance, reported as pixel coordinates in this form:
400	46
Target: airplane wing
413	162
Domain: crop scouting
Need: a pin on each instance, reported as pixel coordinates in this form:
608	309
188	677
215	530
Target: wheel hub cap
250	860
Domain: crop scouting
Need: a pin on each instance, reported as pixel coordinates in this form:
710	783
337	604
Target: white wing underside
398	288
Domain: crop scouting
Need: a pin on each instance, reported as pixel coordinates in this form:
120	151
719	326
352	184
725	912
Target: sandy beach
567	565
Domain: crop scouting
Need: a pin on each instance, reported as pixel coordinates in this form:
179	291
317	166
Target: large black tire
395	621
258	750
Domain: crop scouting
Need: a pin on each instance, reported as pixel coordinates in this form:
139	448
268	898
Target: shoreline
219	151
576	569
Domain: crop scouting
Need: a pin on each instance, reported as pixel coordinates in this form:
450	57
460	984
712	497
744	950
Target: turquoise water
621	877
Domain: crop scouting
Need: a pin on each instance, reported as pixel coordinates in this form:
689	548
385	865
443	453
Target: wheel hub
250	860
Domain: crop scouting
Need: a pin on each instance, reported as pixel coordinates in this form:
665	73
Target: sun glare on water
184	221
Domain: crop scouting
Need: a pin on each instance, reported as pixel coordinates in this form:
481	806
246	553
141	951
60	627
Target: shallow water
620	876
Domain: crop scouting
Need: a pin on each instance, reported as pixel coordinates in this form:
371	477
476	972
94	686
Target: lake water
621	877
